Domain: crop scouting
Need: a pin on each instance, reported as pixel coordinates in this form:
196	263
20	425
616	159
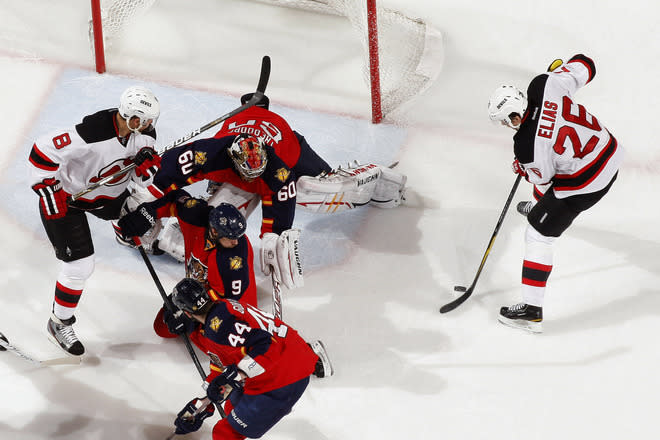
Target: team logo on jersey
282	174
215	323
200	157
235	263
190	203
196	269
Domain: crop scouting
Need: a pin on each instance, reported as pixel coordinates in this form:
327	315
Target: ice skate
522	316
323	366
524	207
61	333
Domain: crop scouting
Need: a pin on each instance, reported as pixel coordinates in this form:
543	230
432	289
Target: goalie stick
468	291
277	295
261	88
67	360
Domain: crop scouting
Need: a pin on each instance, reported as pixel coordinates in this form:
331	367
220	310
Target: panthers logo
195	269
282	174
215	323
235	263
190	203
200	157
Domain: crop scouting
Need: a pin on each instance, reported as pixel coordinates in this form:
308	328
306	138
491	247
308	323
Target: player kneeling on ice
260	366
256	156
559	145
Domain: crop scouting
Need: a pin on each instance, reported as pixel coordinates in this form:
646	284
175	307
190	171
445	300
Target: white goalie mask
139	102
504	101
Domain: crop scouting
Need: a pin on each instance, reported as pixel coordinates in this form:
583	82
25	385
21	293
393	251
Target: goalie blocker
347	188
280	254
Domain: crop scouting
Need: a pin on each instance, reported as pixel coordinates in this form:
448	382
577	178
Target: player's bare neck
122	128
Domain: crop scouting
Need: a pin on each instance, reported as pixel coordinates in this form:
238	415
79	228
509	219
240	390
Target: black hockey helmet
227	221
191	296
263	102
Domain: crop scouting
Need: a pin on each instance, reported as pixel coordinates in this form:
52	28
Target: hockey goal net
403	55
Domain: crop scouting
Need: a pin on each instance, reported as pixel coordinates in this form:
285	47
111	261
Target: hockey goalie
257	157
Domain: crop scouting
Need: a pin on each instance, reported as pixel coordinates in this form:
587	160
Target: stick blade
458	301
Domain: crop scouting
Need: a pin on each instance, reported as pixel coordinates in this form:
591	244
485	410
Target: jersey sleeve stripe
587	62
41	161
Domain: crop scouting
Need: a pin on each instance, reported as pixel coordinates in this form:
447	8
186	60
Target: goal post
402	55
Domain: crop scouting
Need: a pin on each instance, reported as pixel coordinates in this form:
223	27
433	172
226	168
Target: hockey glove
555	65
147	162
518	168
220	387
52	198
190	418
138	222
178	323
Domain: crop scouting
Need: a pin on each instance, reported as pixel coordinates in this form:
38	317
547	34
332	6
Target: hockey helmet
139	102
264	102
249	156
504	101
227	221
191	296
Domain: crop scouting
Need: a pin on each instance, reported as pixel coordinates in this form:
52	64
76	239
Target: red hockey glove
52	198
147	162
518	168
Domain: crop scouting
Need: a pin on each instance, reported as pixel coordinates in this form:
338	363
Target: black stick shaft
461	299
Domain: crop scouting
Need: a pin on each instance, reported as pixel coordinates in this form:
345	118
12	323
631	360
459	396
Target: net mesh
410	51
115	14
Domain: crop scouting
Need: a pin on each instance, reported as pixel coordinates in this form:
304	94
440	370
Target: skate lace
516	307
525	207
67	334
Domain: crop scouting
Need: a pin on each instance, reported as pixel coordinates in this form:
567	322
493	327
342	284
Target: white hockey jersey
87	153
559	142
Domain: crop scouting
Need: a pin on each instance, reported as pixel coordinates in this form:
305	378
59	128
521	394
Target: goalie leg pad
244	201
280	254
171	241
390	189
340	190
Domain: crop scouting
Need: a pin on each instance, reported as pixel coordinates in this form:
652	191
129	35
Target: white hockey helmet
140	102
249	156
504	101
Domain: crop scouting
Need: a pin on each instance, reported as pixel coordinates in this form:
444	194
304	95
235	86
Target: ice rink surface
375	278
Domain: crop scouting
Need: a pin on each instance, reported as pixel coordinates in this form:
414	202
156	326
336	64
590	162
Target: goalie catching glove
280	255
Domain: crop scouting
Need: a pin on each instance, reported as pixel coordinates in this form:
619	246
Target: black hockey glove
138	222
220	387
189	419
178	323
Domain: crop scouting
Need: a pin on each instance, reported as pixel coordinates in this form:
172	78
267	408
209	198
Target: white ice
375	279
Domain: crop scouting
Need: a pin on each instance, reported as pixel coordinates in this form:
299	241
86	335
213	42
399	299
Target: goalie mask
226	221
249	156
190	296
139	102
505	101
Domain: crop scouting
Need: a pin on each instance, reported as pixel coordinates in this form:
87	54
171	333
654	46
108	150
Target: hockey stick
277	295
67	360
461	299
172	309
261	88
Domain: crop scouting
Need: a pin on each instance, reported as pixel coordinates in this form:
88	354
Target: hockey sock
537	266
